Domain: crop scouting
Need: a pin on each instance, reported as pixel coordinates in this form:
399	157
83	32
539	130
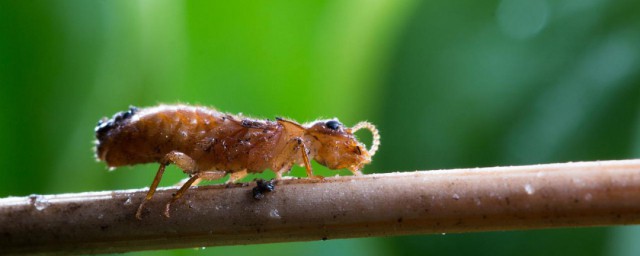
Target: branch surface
403	203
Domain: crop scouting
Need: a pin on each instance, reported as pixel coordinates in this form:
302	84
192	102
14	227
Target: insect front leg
184	162
307	162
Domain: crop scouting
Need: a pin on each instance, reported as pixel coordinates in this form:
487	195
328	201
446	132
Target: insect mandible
207	144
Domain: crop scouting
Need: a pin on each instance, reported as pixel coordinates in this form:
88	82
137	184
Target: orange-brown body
208	144
215	141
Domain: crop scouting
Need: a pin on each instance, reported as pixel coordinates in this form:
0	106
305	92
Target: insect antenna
374	132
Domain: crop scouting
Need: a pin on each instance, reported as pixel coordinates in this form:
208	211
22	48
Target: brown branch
463	200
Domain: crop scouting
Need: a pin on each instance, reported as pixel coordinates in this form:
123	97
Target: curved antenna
376	136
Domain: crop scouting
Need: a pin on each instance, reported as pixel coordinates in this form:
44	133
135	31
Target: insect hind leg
235	176
184	162
192	181
152	190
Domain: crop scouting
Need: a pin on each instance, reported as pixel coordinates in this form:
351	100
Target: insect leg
180	193
236	176
192	181
211	175
307	163
183	161
152	190
183	181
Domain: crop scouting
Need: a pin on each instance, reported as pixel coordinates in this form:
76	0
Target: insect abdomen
215	141
149	134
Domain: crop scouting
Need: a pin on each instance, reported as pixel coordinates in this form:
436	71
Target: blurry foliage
450	84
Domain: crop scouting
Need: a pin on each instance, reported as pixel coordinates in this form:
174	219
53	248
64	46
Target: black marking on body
104	125
247	123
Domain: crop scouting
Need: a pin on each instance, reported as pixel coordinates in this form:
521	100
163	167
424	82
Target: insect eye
333	125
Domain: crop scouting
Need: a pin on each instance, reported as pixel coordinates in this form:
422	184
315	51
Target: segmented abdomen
216	141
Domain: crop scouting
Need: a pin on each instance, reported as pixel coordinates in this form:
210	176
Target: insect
207	144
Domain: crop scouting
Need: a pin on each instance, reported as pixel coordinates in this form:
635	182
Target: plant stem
421	202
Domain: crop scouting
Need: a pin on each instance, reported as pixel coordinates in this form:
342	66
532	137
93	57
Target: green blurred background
449	83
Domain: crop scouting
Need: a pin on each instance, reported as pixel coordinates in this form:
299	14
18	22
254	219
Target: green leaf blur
449	83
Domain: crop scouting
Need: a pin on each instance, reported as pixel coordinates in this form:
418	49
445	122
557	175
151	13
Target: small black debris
261	187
